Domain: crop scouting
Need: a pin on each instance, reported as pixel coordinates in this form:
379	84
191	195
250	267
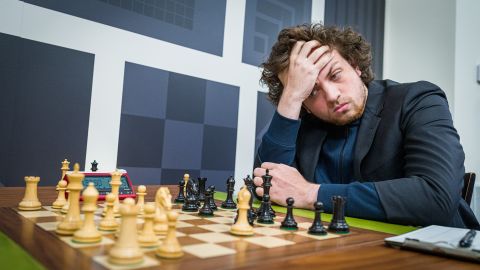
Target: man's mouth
341	108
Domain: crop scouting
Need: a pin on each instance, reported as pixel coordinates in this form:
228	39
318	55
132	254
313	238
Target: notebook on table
439	240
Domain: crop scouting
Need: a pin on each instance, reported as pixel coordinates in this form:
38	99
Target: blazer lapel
368	126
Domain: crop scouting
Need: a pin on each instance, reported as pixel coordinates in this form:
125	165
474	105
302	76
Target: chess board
202	238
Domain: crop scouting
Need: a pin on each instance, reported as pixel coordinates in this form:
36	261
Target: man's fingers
259	191
258	181
269	165
296	48
324	60
258	172
307	48
318	53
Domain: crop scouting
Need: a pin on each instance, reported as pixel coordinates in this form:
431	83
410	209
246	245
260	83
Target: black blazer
408	146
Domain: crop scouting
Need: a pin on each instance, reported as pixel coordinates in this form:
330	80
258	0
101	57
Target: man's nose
331	93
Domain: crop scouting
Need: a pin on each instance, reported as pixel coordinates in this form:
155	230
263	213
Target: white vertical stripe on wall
105	110
318	10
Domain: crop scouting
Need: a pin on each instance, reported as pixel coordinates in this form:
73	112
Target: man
389	148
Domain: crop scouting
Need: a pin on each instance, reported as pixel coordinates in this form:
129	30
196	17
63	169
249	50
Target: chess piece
289	222
65	207
206	210
170	248
115	184
213	205
163	201
94	167
141	193
72	221
147	237
126	250
338	223
267	184
242	226
88	233
181	197
108	223
61	200
252	215
265	216
65	168
317	226
229	203
30	201
190	204
201	188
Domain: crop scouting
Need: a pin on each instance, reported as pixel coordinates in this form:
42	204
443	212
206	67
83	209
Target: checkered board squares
147	262
201	238
160	139
208	250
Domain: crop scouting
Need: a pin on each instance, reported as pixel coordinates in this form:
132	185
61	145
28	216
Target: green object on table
353	222
13	256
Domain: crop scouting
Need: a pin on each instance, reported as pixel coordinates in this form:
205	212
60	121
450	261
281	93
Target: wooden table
365	249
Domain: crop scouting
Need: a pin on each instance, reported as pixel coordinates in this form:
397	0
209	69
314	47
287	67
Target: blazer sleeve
433	166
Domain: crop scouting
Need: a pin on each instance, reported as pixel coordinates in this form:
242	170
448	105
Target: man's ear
358	71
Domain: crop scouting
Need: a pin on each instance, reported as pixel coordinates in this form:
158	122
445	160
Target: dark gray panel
51	92
182	145
219	146
172	177
144	176
217	178
186	98
141	141
144	91
221	105
265	111
195	24
263	21
365	16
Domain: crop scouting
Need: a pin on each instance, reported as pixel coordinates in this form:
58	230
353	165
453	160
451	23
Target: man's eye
335	76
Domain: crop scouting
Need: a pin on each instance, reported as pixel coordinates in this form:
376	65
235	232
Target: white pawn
242	227
30	201
170	248
108	223
126	250
147	237
88	232
61	200
141	193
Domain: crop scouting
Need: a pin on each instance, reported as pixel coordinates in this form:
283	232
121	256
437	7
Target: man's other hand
286	182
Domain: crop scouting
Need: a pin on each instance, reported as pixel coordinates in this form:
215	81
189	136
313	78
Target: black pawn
265	217
317	226
201	188
229	203
289	222
338	223
213	205
181	197
94	166
206	210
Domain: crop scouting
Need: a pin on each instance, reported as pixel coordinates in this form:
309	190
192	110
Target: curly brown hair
350	44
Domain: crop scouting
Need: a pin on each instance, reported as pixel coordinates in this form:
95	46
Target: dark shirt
334	169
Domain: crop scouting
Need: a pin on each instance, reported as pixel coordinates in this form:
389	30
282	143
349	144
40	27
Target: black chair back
468	185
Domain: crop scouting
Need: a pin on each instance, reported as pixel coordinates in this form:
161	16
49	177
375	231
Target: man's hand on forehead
306	60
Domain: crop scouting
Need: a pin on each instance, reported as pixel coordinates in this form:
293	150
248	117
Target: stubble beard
357	111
